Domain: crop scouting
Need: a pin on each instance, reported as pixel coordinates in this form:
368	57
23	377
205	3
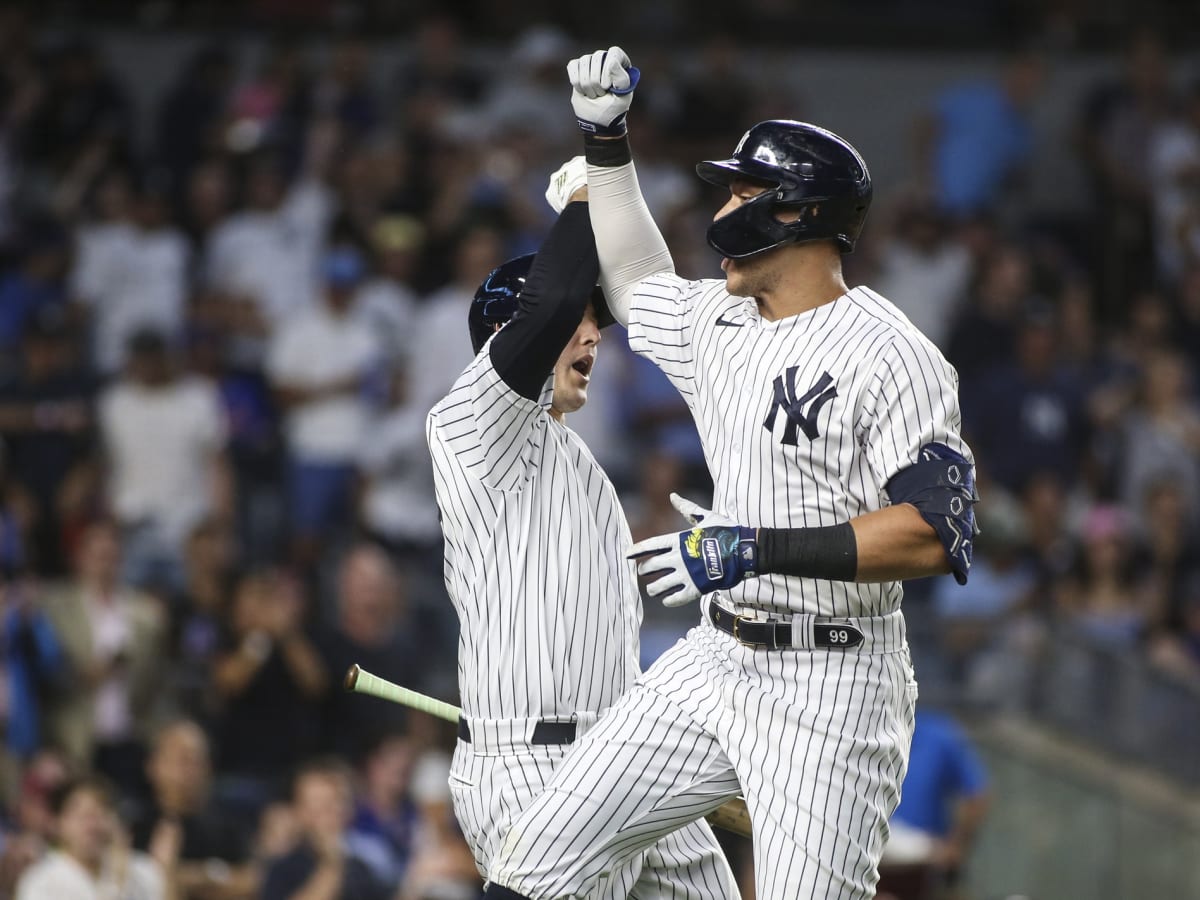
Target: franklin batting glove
602	86
714	555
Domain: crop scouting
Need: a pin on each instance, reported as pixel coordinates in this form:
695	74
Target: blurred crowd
221	330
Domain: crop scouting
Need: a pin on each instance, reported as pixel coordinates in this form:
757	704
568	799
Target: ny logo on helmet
798	417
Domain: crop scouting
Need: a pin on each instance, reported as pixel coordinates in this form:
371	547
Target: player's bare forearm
895	543
890	544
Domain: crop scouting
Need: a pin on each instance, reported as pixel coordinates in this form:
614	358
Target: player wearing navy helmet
831	427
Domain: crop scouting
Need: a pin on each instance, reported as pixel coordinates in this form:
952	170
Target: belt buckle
736	621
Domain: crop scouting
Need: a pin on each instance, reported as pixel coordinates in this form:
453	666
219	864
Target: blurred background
237	244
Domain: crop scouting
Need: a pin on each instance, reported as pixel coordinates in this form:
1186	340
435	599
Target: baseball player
536	560
831	427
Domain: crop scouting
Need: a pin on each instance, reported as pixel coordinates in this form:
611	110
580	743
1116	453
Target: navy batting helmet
808	169
497	299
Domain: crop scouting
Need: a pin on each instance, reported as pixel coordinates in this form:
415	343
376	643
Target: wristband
829	553
615	128
607	154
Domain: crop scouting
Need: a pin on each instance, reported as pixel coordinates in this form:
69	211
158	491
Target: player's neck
808	280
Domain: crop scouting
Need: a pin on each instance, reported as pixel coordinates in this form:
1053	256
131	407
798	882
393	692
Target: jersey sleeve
489	427
911	401
661	313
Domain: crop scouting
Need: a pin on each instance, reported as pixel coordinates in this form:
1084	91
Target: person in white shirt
925	270
93	860
398	504
131	272
320	364
270	252
164	438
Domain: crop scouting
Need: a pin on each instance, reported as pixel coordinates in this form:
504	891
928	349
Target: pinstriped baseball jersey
804	420
535	555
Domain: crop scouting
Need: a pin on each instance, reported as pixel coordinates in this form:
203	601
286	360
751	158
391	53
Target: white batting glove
567	179
714	554
602	86
697	514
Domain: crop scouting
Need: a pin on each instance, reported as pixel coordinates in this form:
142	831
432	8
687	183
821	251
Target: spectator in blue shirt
944	799
34	285
978	137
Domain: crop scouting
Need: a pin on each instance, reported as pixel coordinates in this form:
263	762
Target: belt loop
802	633
774	632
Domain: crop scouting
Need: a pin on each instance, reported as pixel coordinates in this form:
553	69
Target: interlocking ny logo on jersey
798	418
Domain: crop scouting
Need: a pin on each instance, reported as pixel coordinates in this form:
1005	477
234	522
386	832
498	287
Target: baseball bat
731	815
360	681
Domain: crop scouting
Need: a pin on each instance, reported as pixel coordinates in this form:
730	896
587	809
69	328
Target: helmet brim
722	172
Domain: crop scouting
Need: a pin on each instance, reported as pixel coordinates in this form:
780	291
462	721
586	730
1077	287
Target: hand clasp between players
715	554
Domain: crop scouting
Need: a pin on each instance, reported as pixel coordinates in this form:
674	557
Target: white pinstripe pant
491	785
817	740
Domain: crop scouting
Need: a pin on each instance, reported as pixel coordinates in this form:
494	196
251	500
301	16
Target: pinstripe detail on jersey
535	562
895	393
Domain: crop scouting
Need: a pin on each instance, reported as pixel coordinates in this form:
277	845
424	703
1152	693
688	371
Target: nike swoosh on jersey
721	320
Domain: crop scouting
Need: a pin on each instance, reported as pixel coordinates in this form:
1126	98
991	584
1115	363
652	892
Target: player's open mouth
583	366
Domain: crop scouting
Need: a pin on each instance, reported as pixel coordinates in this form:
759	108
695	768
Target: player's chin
735	279
571	394
735	286
577	398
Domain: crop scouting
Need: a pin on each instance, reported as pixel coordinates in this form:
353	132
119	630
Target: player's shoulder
479	367
903	338
668	286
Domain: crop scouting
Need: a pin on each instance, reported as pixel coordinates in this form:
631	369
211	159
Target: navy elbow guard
941	485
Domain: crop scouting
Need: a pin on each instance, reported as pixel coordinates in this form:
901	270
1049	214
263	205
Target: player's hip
790	632
720	681
524	736
778	595
499	766
489	791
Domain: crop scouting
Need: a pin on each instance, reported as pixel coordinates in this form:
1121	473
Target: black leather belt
544	732
778	635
